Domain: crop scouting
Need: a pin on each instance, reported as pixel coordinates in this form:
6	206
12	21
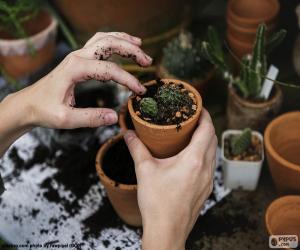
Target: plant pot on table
242	172
15	57
282	143
165	140
115	168
242	113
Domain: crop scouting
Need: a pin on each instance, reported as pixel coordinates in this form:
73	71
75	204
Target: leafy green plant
148	106
14	13
242	142
182	57
254	66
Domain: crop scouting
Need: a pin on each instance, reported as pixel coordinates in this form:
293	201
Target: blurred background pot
123	197
125	121
242	113
166	140
283	216
14	55
243	18
90	16
282	142
241	174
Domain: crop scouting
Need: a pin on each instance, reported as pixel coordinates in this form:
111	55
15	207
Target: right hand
172	191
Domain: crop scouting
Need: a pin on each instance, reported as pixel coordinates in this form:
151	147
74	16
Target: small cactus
149	107
182	57
170	95
241	142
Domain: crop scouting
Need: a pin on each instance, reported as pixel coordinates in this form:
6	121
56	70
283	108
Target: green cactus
182	57
254	66
170	95
241	142
148	106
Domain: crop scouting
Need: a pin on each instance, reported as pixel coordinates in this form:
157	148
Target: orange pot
123	197
283	216
14	56
166	141
239	48
282	142
250	13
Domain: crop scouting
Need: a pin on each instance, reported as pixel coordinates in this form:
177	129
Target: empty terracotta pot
14	55
239	48
282	142
166	141
283	216
242	113
250	13
123	197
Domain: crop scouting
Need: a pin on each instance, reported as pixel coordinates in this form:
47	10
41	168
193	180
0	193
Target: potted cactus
246	107
182	59
242	158
166	116
27	37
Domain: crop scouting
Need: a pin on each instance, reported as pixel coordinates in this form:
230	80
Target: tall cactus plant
254	66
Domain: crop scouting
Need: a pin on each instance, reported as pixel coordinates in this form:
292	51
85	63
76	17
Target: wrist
162	235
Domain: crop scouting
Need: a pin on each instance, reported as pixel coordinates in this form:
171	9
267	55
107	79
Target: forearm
15	120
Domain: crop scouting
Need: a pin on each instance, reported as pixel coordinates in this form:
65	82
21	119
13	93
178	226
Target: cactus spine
241	142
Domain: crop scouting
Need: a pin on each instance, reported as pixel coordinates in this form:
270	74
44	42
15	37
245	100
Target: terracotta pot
131	16
123	197
250	13
282	142
166	141
239	48
14	56
283	216
242	113
199	84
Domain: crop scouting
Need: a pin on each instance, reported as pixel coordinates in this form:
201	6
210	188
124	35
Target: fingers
100	35
137	149
103	48
79	69
88	117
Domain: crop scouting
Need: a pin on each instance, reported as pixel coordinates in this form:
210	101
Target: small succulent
240	143
254	66
170	95
182	57
149	107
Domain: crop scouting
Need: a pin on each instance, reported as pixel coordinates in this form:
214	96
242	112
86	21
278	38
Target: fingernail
128	135
137	39
149	58
142	89
111	118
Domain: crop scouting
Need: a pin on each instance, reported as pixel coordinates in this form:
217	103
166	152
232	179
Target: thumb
137	149
91	117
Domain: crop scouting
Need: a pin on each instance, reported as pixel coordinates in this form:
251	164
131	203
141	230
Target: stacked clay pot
244	17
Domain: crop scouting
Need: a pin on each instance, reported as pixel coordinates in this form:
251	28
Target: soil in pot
252	153
173	104
118	156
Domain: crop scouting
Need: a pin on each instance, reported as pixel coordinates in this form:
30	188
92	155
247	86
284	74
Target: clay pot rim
99	161
253	21
15	42
232	38
284	162
167	127
282	202
162	72
238	131
122	117
250	104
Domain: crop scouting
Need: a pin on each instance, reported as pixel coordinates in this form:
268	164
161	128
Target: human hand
172	191
50	102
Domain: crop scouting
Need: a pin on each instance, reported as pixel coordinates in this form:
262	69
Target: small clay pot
282	142
123	197
166	140
242	113
239	48
199	84
14	55
283	216
250	13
